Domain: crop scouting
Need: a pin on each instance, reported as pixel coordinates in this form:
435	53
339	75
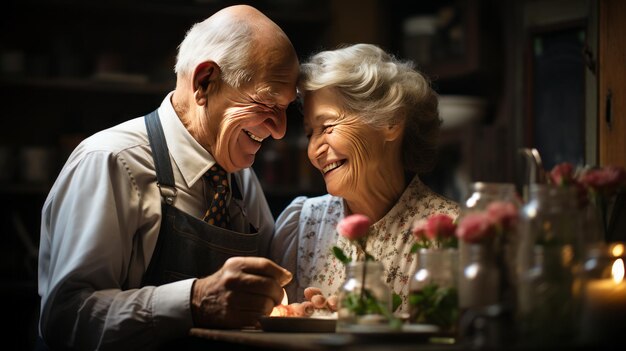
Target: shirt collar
190	157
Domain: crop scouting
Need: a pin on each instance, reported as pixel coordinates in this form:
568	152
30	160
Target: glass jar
603	311
365	300
487	273
550	229
433	296
479	279
484	193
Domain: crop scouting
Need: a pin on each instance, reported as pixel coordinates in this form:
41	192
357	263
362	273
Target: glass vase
433	296
365	300
484	193
548	298
487	273
479	278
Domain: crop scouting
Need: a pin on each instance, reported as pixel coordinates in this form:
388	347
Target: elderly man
150	226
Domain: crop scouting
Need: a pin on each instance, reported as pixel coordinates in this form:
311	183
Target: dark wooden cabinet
71	68
612	83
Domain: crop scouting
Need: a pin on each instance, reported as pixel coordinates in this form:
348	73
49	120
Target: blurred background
548	74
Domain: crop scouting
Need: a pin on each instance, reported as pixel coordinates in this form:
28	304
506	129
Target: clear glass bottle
365	300
433	294
550	230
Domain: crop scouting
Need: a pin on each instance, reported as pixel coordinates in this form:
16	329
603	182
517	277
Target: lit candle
604	313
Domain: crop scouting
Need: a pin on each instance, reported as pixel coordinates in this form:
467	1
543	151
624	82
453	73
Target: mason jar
484	193
433	295
365	300
487	269
549	256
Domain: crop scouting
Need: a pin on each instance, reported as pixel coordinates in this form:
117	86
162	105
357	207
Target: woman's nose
316	149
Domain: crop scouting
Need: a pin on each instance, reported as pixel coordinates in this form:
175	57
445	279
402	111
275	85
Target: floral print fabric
309	226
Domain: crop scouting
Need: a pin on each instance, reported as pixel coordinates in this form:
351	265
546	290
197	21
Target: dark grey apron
188	247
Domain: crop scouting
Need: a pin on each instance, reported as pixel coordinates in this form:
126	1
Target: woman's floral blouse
305	235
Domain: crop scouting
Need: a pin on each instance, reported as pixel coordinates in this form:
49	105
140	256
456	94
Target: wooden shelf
91	85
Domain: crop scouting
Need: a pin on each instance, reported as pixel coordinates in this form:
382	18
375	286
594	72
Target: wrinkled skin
243	290
220	116
370	175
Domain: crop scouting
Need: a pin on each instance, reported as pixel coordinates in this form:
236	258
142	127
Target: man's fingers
260	266
250	303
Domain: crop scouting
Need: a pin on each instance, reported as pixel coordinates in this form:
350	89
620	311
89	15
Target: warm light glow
617	250
281	310
618	271
285	300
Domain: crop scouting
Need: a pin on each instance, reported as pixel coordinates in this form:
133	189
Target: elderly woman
372	124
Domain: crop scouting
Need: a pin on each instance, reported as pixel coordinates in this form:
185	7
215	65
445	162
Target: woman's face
341	146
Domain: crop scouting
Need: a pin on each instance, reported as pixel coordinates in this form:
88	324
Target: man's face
249	114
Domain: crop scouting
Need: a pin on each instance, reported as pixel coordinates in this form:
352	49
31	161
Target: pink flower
476	227
562	174
354	227
503	213
606	180
437	231
437	226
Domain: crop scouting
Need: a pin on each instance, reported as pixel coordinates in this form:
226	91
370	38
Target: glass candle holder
603	315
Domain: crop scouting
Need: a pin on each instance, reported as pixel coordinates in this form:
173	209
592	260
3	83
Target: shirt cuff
171	308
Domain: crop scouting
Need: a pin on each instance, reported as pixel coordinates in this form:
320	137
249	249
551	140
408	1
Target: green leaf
338	252
396	301
435	305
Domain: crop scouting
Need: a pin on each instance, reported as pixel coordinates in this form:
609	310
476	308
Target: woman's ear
204	75
393	131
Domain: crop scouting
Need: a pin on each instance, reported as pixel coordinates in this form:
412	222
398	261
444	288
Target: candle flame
617	250
617	271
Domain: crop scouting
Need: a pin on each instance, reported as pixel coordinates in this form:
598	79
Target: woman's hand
315	303
319	301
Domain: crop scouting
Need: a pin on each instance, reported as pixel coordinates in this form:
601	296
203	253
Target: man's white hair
226	42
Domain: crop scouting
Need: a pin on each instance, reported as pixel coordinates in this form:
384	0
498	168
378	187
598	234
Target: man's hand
244	289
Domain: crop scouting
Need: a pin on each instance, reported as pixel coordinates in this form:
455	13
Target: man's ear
204	75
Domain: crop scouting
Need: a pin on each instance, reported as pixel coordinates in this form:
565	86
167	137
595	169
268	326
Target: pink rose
475	227
437	226
503	213
562	174
419	230
354	227
605	180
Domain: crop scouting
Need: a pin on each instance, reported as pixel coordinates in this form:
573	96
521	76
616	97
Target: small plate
298	324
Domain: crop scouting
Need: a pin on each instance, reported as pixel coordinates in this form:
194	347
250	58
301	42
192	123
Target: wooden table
212	339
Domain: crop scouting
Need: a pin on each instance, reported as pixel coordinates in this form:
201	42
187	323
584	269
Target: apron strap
161	157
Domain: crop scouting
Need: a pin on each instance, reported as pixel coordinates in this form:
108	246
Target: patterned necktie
217	213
